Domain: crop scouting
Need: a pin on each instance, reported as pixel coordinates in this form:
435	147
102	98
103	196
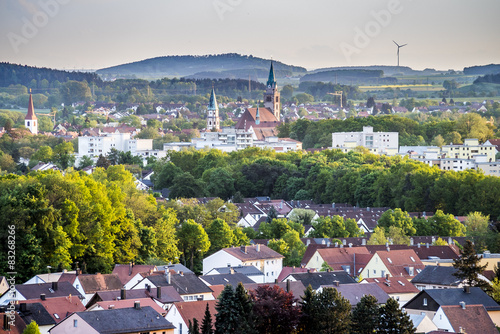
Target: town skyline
73	34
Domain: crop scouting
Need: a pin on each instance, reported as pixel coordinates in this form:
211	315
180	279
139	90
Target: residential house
47	278
224	279
354	292
264	258
127	303
429	301
376	142
396	288
437	277
402	263
131	320
463	318
4	285
40	291
89	284
422	323
251	272
189	286
323	278
181	313
36	312
128	272
340	258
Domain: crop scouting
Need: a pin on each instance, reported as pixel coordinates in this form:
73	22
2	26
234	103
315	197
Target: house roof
398	262
454	296
337	257
196	310
177	267
126	303
126	320
35	312
474	319
249	116
60	307
168	295
296	288
354	292
33	291
317	279
289	270
245	270
437	275
186	284
393	286
100	282
17	328
225	279
126	271
31	110
252	253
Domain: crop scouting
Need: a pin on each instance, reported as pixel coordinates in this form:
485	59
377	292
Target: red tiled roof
472	320
100	282
338	257
196	310
125	273
393	285
17	328
397	261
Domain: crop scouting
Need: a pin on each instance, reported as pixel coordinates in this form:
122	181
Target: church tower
30	121
272	94
213	122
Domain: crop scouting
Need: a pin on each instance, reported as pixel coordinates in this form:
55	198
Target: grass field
24	111
417	87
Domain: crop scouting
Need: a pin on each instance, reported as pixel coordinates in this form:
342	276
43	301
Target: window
75	323
425	302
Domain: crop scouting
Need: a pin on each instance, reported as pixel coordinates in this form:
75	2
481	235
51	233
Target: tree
438	141
193	241
245	306
332	313
495	289
468	265
397	237
446	225
220	235
365	316
185	185
206	325
394	320
472	125
303	216
63	155
397	218
102	162
228	312
271	214
32	328
377	237
7	163
86	161
193	327
275	310
43	154
476	223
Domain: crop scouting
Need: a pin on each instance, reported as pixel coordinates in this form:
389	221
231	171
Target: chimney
181	273
308	242
387	277
6	323
54	286
231	271
411	241
130	266
466	288
418	245
363	242
22	307
288	285
77	272
158	292
350	245
123	294
169	277
137	305
462	304
244	249
336	283
450	241
148	287
427	245
257	247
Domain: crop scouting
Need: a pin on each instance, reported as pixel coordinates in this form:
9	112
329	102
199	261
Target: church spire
31	110
271	81
257	115
212	104
213	121
30	121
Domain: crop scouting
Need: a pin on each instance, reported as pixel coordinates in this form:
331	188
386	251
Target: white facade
175	317
470	148
377	142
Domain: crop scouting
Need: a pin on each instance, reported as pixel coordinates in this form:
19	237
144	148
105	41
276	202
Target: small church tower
30	121
213	122
272	94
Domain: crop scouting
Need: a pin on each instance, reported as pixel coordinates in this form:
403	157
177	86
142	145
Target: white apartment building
377	142
470	148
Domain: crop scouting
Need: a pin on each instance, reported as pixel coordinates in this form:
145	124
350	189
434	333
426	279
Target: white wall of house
74	325
176	319
220	259
375	268
441	321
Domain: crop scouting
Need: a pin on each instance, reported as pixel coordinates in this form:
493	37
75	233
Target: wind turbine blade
403	45
396	43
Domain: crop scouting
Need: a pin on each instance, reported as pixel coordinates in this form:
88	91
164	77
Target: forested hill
181	66
349	77
482	70
13	74
388	70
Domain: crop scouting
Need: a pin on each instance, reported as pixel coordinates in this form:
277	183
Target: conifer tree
307	323
193	327
468	266
394	320
228	314
365	316
206	325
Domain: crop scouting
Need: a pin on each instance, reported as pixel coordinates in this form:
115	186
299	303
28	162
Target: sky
93	34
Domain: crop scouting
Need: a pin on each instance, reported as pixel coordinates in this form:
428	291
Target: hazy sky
93	34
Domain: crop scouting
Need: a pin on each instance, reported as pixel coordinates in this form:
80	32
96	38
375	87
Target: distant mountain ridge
387	69
185	66
482	69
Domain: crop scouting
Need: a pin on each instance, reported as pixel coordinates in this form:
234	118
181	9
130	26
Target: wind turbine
399	47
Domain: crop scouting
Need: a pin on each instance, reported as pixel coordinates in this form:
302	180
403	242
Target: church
260	121
30	121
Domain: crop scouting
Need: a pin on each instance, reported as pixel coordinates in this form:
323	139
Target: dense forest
355	76
482	69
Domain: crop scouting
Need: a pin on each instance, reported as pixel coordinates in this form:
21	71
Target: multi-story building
376	142
470	148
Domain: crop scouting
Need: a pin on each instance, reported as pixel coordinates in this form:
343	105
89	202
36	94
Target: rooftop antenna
399	47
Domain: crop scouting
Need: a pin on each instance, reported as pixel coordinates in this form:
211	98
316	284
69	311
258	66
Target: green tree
394	320
86	161
43	154
329	227
166	237
103	162
185	185
206	325
63	155
446	225
397	218
476	223
193	241
7	163
377	237
220	235
365	316
193	327
397	237
227	319
468	265
472	125
32	328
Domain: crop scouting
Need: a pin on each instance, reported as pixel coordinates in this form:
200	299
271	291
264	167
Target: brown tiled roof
250	253
337	257
393	285
17	328
397	262
62	306
472	320
100	282
125	273
216	290
196	310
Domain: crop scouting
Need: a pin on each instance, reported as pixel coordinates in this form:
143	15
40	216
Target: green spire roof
257	116
212	104
271	81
